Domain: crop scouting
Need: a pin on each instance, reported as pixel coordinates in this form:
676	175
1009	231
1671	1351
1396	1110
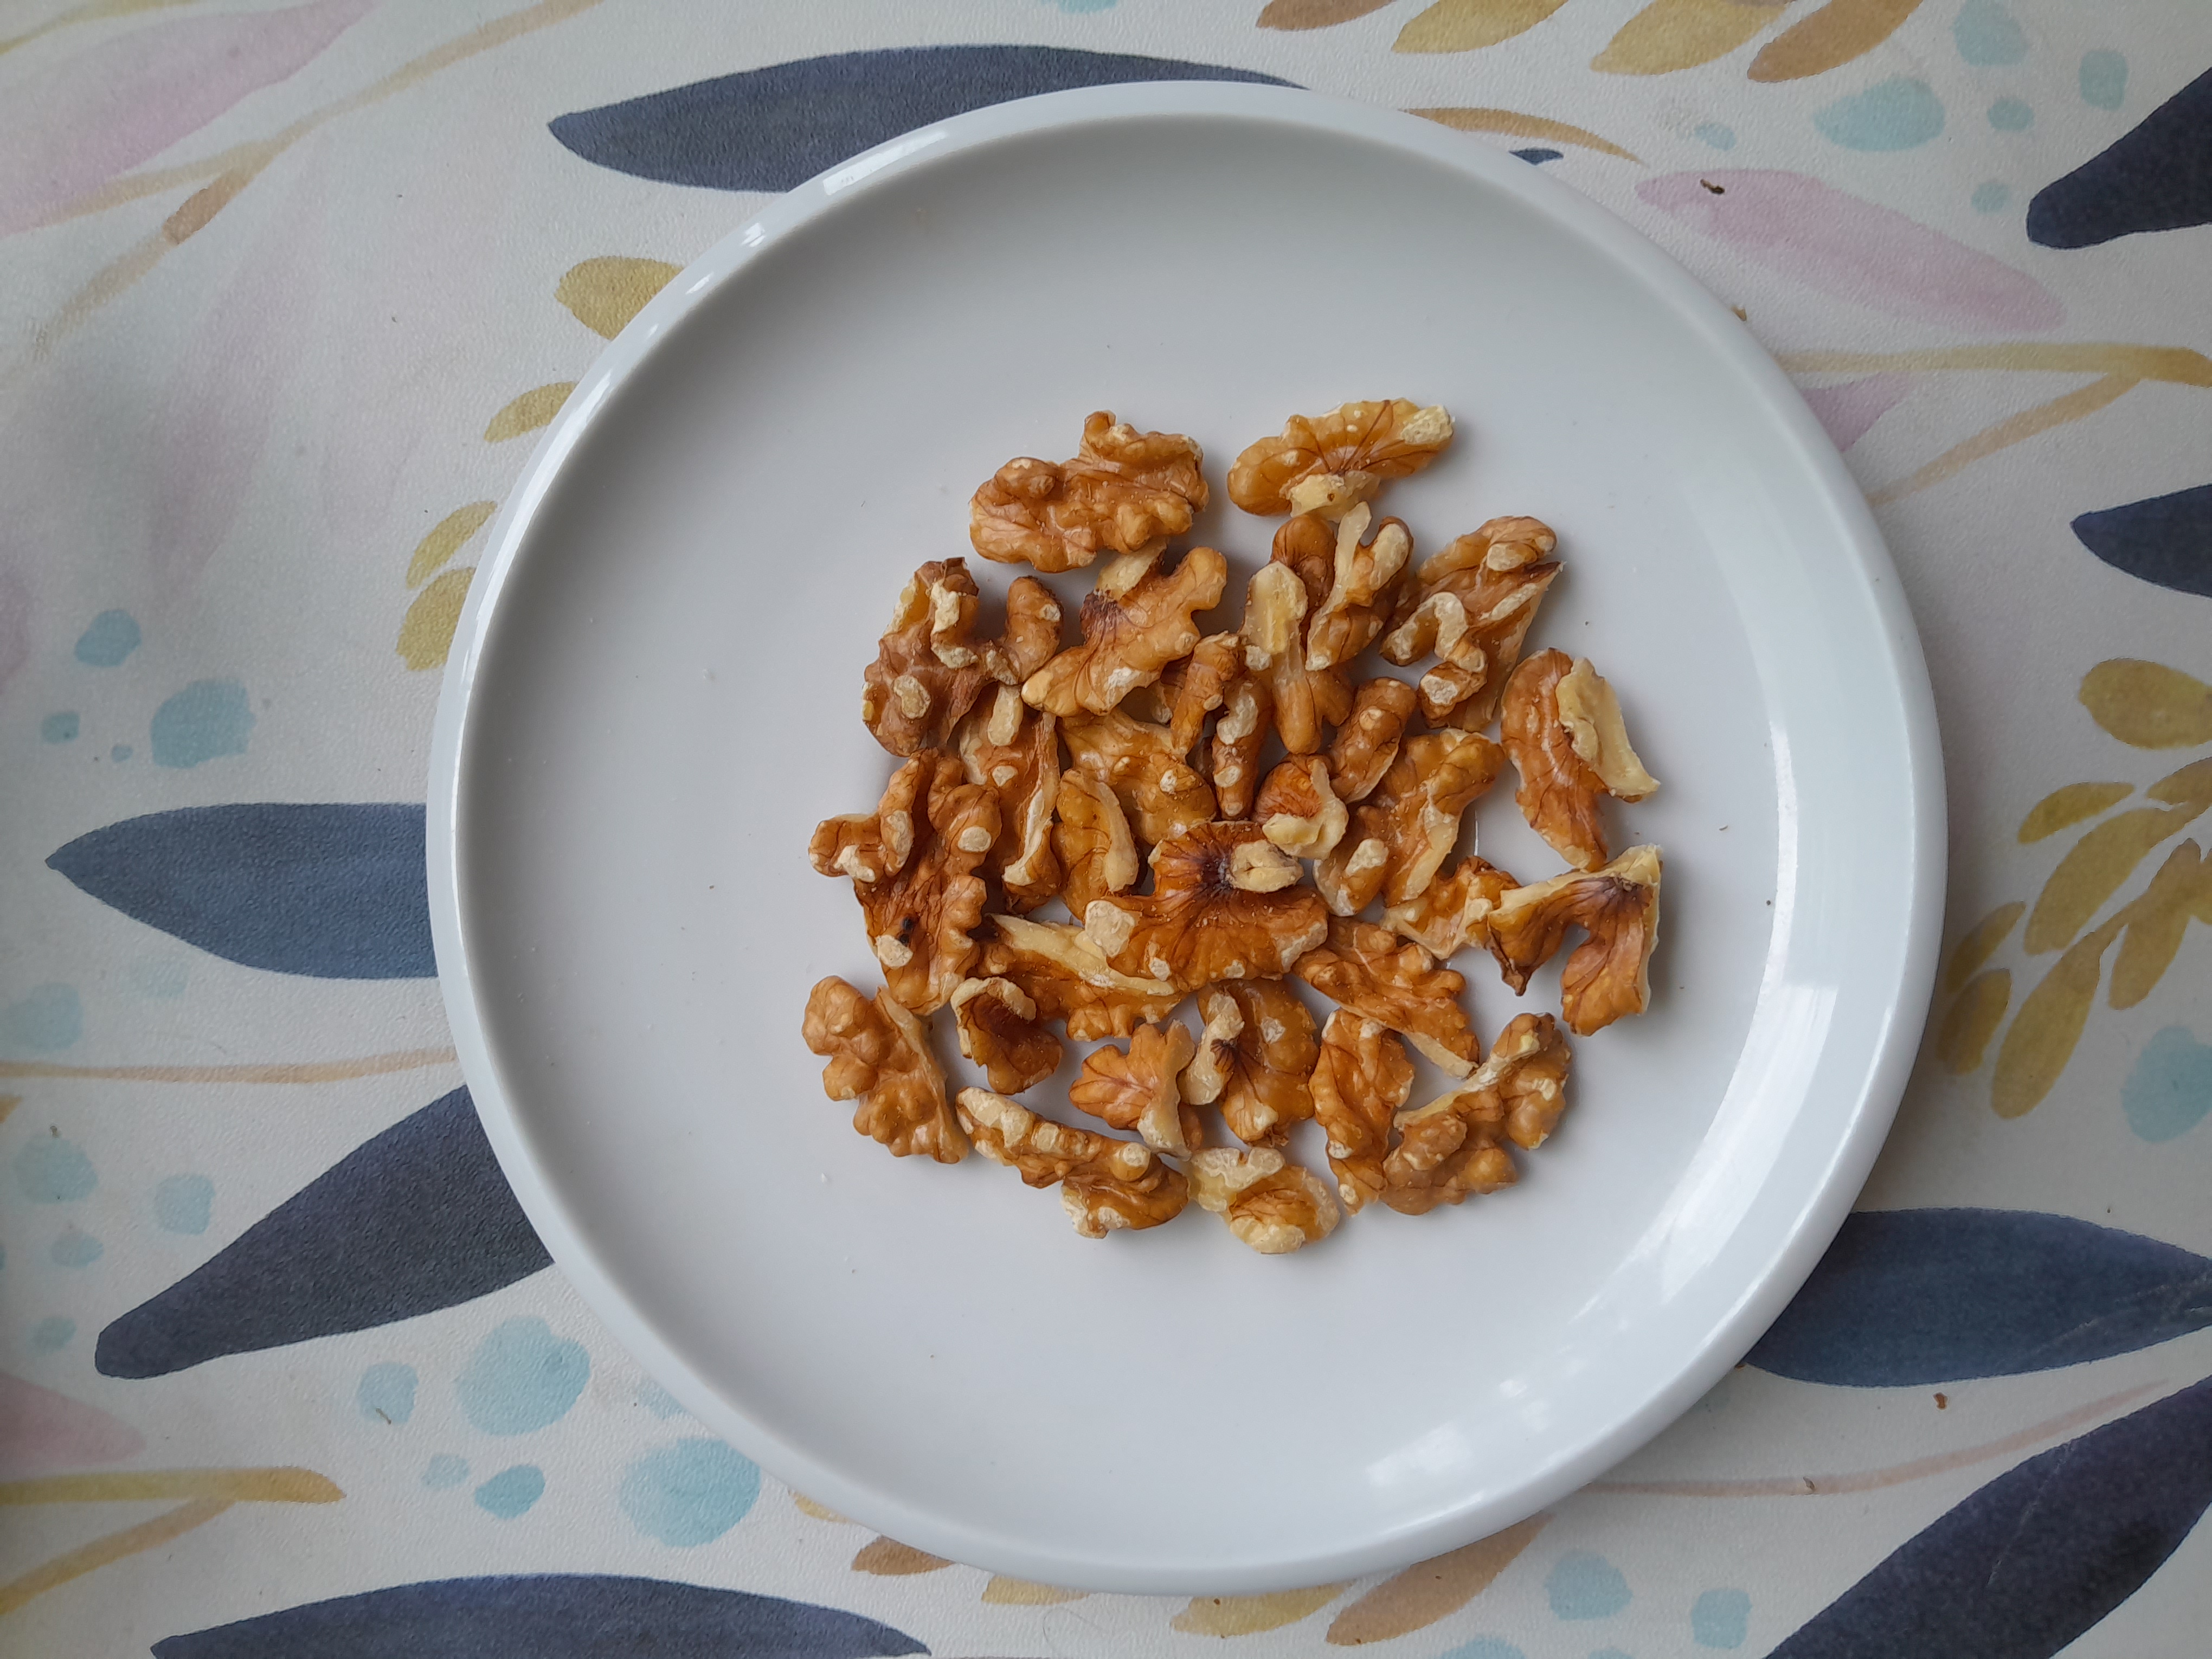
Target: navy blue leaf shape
2166	539
2039	1555
2158	177
1539	156
417	1220
775	128
1931	1296
334	891
548	1616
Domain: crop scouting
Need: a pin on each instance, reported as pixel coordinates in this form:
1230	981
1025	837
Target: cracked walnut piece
1105	1185
1129	636
1362	590
1454	1145
1371	972
1298	810
928	671
1301	700
1337	458
1254	1059
1062	970
1453	911
1160	791
1126	491
1226	903
1609	972
1238	736
1097	851
1401	833
1359	1081
999	1031
1563	729
1139	1088
1471	605
1269	1202
920	915
1014	750
1202	686
879	1056
1367	742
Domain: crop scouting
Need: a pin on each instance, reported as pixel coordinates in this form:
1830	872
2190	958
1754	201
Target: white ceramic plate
652	698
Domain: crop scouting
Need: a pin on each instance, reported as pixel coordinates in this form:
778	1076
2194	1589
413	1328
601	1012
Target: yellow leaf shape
889	1559
237	1486
1422	1595
426	633
2015	430
1005	1592
2176	364
605	293
1839	32
2146	705
2043	1035
529	411
1972	1021
819	1511
1514	125
2069	805
1980	944
9	1103
114	1546
2190	787
1248	1615
2156	922
447	537
1466	25
1312	15
1678	35
2094	869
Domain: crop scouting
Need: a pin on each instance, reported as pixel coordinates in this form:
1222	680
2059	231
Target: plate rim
1905	668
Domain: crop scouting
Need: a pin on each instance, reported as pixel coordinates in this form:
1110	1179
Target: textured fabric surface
284	290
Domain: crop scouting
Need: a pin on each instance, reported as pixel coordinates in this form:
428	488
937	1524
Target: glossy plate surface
653	699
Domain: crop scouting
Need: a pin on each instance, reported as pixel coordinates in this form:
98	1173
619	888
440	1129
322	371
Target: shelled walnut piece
1270	1203
999	1031
1402	833
1014	750
1564	731
1254	1059
1135	622
1360	1079
929	670
1453	911
1097	853
1125	491
879	1056
1609	974
1367	743
1161	794
1363	588
1063	973
1225	904
1105	1185
1278	601
1140	1088
1454	1146
1337	458
1369	971
1471	605
1298	808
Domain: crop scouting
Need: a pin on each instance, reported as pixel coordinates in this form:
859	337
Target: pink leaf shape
221	396
41	1432
1844	245
70	129
1848	409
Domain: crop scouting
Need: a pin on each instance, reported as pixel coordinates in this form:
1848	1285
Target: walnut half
928	671
1125	491
1254	1059
1609	974
1370	972
1563	729
1269	1202
1226	903
1335	460
1130	634
1359	1081
999	1031
879	1056
1106	1185
1139	1088
1454	1145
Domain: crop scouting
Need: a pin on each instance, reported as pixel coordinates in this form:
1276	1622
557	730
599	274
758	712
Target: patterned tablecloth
286	289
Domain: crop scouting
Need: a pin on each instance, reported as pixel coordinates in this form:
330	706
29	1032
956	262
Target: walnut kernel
999	1031
1269	1202
1608	974
1140	1088
879	1056
1360	1080
1106	1185
1125	492
1346	454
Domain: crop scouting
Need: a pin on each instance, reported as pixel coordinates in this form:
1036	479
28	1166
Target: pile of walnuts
1122	776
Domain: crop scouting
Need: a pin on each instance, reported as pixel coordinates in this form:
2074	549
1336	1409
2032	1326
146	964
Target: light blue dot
1715	133
59	728
51	1017
445	1470
1894	114
1584	1585
53	1172
112	636
1991	196
1485	1647
183	1203
208	718
160	977
510	1491
2011	115
691	1492
2169	1090
1719	1619
522	1378
122	751
76	1248
2104	78
52	1334
658	1401
1986	34
386	1394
